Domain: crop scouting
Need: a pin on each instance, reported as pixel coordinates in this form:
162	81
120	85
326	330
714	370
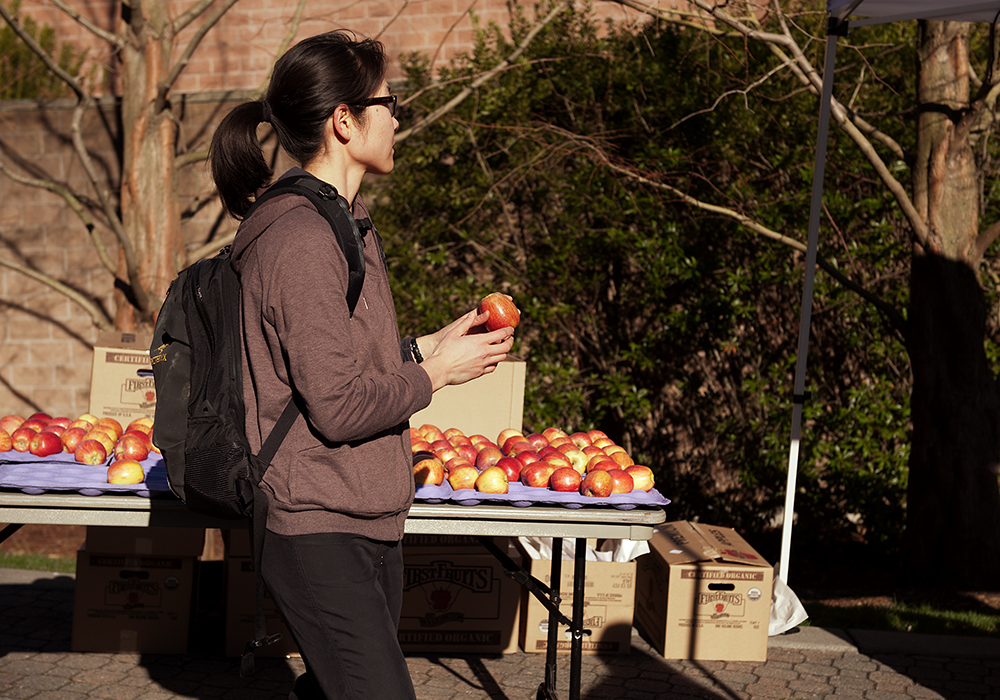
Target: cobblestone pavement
36	663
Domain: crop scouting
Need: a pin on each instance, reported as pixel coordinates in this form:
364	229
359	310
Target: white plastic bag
786	610
610	550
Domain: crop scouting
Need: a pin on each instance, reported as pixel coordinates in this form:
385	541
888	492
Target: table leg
576	645
9	530
547	691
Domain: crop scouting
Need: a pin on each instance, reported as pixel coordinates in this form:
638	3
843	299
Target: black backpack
197	370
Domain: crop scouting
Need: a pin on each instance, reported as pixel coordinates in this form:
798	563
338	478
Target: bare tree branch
808	75
448	33
93	310
103	195
406	3
165	85
293	29
985	240
74	203
50	63
749	88
190	15
496	70
889	310
102	34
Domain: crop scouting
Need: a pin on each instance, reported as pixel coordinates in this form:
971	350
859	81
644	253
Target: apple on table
45	444
429	471
492	480
596	484
126	471
565	479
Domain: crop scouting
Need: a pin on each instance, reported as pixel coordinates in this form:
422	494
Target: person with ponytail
341	484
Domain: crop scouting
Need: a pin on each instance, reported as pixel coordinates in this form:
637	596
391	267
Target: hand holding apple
459	355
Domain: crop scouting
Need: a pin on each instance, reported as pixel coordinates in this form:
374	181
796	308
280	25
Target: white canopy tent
867	12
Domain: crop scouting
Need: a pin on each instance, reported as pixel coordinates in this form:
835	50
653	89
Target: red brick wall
46	341
238	51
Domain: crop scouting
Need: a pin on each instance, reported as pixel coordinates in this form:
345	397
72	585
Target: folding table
483	520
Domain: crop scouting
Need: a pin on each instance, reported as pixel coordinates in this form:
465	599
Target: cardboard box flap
685	542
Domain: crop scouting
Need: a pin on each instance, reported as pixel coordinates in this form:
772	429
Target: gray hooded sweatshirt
345	465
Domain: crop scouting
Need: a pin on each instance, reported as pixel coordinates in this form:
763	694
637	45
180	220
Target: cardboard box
117	390
608	600
458	603
484	406
146	541
703	593
241	611
132	603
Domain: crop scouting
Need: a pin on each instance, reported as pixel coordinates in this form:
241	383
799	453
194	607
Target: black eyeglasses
389	101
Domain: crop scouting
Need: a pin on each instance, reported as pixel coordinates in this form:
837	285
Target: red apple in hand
503	313
45	444
565	479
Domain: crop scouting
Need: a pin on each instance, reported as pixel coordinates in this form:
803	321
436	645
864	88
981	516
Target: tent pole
836	28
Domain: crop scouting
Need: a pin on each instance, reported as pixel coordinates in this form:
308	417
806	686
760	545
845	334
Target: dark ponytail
308	83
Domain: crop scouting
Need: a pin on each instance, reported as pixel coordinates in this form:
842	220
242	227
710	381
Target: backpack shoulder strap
336	210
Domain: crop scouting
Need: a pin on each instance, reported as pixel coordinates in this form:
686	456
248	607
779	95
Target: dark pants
341	595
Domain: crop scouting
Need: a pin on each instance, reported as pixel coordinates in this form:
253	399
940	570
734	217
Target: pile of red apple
91	440
586	462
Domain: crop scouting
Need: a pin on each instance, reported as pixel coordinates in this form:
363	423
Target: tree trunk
149	202
953	501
